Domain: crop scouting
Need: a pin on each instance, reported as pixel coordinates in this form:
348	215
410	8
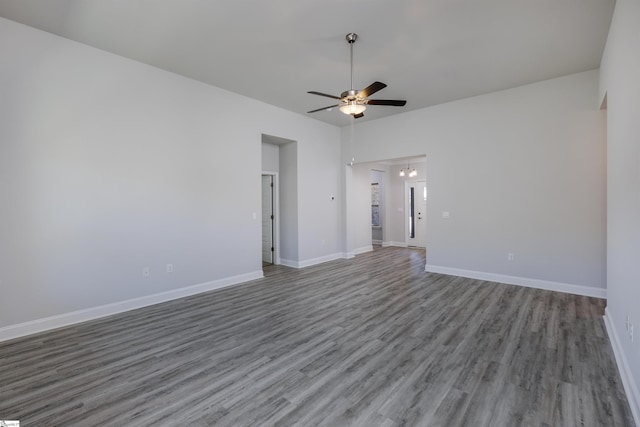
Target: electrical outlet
146	272
631	331
169	268
511	256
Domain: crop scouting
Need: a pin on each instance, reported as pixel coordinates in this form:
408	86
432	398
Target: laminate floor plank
371	341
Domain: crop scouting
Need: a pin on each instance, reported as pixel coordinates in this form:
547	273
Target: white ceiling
426	51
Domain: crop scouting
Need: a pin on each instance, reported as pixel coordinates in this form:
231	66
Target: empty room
336	213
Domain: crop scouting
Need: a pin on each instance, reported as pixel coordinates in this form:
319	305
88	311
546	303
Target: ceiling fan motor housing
349	95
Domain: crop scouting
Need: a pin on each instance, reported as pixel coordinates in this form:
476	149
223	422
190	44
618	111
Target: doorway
268	220
378	187
416	208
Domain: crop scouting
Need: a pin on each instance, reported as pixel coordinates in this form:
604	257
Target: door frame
407	185
276	215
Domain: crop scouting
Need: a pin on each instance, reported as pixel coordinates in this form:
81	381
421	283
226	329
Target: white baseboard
310	262
319	260
66	319
394	244
630	386
363	250
520	281
353	253
288	263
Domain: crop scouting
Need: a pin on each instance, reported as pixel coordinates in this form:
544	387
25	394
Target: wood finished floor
372	341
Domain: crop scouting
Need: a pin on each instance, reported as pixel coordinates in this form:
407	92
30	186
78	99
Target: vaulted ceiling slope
426	51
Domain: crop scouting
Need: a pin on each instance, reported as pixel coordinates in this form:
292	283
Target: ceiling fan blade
371	89
395	103
357	116
313	92
324	108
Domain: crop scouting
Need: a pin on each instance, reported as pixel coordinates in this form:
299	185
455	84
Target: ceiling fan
354	102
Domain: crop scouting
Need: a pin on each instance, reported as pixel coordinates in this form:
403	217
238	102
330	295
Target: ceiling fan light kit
353	108
354	102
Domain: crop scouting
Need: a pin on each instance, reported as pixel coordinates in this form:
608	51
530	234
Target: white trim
353	253
310	262
66	319
630	386
520	281
319	260
288	263
395	244
363	250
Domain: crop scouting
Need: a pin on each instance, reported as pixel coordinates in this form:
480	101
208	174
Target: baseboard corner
363	250
394	244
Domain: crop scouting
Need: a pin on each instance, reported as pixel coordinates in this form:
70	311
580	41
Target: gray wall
108	166
620	81
521	170
270	156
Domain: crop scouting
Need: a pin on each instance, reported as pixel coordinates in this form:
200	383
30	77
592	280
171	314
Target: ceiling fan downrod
351	39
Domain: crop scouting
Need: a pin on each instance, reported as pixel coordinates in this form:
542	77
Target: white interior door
416	221
267	219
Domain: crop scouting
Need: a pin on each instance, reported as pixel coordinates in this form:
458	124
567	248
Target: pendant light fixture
408	171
